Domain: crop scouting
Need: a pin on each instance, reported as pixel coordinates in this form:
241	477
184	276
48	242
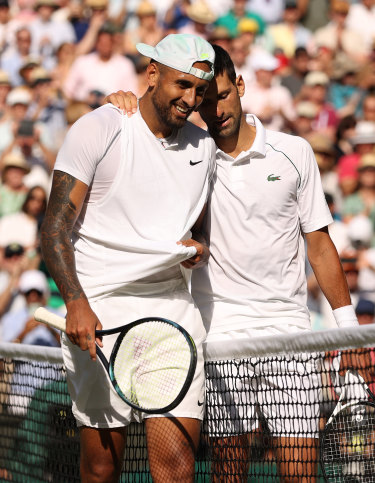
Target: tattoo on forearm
56	234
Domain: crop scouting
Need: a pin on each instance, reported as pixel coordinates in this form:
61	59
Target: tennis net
260	398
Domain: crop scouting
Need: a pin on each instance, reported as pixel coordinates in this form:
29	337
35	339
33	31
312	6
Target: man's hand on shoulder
126	101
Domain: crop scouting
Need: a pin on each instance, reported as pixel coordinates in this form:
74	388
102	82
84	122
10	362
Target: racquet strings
152	364
349	445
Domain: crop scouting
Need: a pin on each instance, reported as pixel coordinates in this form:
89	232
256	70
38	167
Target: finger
99	338
90	344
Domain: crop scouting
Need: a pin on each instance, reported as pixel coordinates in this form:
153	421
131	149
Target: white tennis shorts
95	402
282	393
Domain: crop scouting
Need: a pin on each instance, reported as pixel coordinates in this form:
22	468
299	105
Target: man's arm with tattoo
65	203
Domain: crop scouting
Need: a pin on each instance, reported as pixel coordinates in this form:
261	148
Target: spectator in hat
363	142
324	151
305	115
238	12
47	108
48	34
363	200
148	30
339	37
315	90
344	93
15	55
13	190
299	67
12	263
101	70
20	326
220	36
365	311
270	102
5	87
18	100
290	33
30	63
201	19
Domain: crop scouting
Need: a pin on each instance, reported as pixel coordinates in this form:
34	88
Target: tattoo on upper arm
56	234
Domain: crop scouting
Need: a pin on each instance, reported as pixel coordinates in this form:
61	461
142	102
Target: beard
227	131
164	112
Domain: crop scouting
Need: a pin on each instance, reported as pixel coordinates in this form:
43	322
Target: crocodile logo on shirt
272	177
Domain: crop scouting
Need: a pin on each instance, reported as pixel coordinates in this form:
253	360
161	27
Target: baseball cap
13	249
365	307
360	231
33	280
264	61
180	52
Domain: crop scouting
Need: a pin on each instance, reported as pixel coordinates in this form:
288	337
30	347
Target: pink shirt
90	73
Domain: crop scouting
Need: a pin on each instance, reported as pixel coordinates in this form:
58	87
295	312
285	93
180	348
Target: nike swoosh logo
199	403
193	163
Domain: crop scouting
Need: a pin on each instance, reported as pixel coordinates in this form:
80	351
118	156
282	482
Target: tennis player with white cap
125	204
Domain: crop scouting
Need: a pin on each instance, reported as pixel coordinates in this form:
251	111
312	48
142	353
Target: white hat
364	133
18	95
181	52
33	280
360	229
264	61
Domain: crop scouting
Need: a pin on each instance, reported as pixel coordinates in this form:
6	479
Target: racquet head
347	450
152	364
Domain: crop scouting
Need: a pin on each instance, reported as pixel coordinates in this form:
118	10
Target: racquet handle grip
46	317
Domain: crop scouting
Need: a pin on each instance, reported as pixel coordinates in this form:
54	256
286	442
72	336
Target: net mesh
265	406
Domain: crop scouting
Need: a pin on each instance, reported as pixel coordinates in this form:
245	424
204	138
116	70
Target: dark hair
224	64
29	196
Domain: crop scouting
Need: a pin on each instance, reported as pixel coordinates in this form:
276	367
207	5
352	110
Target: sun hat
18	95
181	52
366	161
16	159
200	12
316	78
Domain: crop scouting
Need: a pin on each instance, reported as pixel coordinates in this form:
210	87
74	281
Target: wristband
345	316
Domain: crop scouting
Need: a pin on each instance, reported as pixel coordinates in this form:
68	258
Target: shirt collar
258	148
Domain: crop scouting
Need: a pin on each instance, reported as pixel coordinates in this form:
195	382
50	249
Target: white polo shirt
261	204
145	195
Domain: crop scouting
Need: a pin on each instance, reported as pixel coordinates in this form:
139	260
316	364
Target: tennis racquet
152	363
347	449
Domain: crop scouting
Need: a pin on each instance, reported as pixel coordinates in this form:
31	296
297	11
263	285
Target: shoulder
194	131
101	121
286	142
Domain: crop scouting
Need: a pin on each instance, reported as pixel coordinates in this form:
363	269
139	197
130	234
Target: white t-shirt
145	195
261	204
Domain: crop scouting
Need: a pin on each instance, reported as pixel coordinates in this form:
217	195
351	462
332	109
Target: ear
153	74
240	84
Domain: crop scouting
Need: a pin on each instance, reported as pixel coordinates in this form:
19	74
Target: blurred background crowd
309	70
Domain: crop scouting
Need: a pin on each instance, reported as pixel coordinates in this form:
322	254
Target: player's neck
241	141
151	118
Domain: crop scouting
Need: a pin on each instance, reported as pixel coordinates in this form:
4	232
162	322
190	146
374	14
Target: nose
190	97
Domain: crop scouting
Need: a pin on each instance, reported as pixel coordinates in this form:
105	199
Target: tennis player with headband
126	201
266	200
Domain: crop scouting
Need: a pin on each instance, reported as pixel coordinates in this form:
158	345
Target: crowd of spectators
309	70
